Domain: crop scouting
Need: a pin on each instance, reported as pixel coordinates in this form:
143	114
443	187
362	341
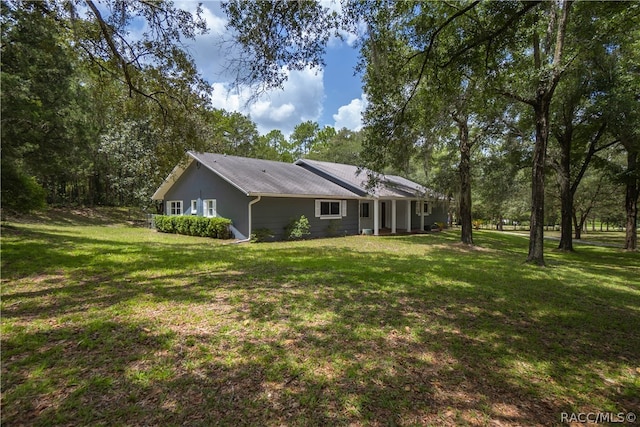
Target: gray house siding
275	213
199	183
439	213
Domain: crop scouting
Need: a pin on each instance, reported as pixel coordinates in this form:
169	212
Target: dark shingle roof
387	185
304	178
266	177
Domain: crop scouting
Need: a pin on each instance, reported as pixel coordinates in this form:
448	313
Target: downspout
251	203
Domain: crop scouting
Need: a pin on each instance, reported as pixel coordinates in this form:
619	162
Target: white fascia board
308	196
219	174
170	180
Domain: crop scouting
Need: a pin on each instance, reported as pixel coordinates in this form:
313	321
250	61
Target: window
174	207
364	210
331	209
210	208
194	207
426	208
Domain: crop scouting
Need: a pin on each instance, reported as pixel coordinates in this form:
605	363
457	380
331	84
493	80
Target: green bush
20	192
217	228
262	235
297	228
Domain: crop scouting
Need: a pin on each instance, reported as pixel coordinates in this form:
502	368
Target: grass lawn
606	237
104	323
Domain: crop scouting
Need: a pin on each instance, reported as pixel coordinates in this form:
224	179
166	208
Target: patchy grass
605	237
122	325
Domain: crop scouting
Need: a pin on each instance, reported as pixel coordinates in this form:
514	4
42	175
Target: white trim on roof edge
193	155
175	174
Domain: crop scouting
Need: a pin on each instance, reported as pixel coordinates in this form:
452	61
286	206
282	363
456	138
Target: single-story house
265	194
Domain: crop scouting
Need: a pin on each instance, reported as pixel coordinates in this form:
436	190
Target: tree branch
107	33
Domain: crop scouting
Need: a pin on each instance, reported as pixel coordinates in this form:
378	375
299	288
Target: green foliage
110	129
304	29
297	228
20	192
217	228
343	146
262	235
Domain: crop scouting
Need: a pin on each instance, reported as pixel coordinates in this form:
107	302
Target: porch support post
376	217
421	215
408	216
393	216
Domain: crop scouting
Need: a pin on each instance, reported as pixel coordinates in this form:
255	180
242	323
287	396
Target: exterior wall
401	214
367	222
438	214
199	183
275	213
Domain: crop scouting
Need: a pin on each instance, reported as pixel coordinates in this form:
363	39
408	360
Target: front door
383	215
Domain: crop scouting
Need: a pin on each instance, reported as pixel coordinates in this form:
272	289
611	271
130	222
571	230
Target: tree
624	116
42	123
578	129
105	39
343	147
278	36
498	184
104	81
303	138
270	146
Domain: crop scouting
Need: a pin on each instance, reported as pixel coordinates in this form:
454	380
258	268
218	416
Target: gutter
251	203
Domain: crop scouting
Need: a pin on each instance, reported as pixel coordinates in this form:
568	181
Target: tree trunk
566	203
541	104
577	227
631	202
563	173
536	233
465	183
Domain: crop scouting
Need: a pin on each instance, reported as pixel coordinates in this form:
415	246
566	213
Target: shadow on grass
330	332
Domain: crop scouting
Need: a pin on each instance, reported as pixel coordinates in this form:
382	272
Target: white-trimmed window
426	208
210	207
331	209
194	207
174	207
364	210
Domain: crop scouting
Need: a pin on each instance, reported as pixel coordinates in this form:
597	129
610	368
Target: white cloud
350	116
300	99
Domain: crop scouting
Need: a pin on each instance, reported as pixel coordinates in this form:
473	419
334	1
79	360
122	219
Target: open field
105	323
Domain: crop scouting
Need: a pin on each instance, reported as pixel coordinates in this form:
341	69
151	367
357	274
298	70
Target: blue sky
332	96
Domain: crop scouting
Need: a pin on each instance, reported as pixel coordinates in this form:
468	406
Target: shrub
20	192
262	235
297	228
217	228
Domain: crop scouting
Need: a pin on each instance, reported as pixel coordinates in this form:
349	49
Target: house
263	194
